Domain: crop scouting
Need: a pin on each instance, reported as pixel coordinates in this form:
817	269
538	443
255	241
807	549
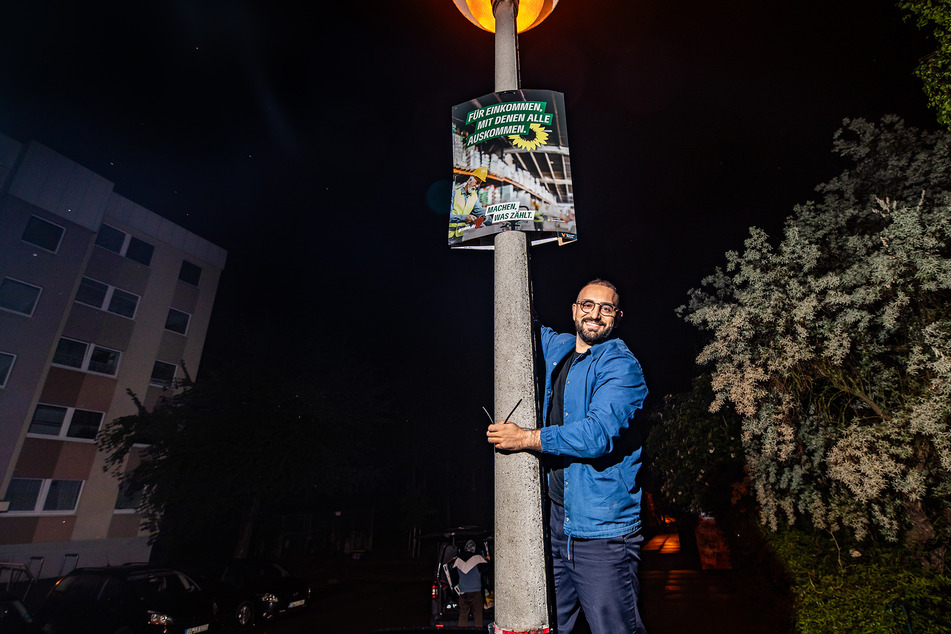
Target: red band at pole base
495	629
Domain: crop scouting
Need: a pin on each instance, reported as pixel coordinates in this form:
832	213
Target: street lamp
521	585
531	13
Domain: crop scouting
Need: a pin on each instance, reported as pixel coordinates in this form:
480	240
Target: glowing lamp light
531	13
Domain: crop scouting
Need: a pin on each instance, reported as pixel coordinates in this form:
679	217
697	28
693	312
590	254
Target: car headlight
157	618
268	597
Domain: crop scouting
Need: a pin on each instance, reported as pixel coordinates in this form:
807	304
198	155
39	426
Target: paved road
369	596
678	597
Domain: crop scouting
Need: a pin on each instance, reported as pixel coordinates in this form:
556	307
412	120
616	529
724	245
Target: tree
834	345
934	16
242	443
694	456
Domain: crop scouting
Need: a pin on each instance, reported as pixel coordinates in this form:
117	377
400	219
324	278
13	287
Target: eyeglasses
608	310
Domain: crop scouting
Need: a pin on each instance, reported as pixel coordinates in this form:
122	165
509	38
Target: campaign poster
511	169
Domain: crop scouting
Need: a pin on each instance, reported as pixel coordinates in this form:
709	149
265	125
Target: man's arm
477	209
511	437
618	393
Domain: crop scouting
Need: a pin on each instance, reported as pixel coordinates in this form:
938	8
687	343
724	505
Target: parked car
445	598
254	590
14	617
131	599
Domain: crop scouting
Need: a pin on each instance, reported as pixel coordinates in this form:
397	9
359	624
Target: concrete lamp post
521	586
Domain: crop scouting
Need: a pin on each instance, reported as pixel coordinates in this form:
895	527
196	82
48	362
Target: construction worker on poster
466	208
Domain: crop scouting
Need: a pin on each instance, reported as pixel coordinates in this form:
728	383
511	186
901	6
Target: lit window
6	364
37	495
52	420
18	296
43	234
189	273
83	356
177	321
163	374
124	244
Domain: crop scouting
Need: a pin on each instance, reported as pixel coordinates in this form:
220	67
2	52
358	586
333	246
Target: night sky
312	141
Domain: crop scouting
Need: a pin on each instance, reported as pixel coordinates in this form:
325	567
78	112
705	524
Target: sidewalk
678	596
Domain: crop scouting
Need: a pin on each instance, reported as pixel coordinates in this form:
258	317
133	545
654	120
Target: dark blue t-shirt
556	416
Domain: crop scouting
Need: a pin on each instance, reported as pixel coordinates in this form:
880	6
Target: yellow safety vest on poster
511	169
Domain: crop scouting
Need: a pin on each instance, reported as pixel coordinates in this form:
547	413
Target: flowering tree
834	345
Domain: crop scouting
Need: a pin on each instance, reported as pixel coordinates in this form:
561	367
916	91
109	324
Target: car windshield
164	584
251	572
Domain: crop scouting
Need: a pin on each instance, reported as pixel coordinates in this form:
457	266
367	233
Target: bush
858	588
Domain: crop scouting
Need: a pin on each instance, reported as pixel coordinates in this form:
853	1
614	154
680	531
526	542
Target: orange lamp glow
531	13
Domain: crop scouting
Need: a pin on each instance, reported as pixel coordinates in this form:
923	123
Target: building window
23	493
47	420
124	244
177	321
111	238
70	353
83	356
105	297
163	374
6	365
62	495
84	424
92	293
103	361
18	296
129	498
34	495
43	234
139	251
189	273
52	420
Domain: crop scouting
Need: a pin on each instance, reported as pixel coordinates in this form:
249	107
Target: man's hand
511	437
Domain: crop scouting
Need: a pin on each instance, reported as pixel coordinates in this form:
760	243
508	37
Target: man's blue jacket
605	387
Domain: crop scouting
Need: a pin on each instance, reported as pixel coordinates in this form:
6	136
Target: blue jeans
598	576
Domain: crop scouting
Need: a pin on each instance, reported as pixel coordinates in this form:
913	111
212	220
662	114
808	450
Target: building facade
98	295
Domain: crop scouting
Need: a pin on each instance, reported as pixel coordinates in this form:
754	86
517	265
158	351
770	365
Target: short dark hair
599	282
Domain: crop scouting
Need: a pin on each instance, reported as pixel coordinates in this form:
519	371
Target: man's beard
593	338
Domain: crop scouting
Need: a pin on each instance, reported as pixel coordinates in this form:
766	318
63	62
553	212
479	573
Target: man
470	565
593	387
466	208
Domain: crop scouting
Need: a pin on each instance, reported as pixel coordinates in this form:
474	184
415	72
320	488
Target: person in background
470	565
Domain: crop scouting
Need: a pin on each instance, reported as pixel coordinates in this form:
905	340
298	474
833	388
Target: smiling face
594	326
472	184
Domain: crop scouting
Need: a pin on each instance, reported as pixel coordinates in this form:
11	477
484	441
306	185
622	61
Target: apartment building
97	295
